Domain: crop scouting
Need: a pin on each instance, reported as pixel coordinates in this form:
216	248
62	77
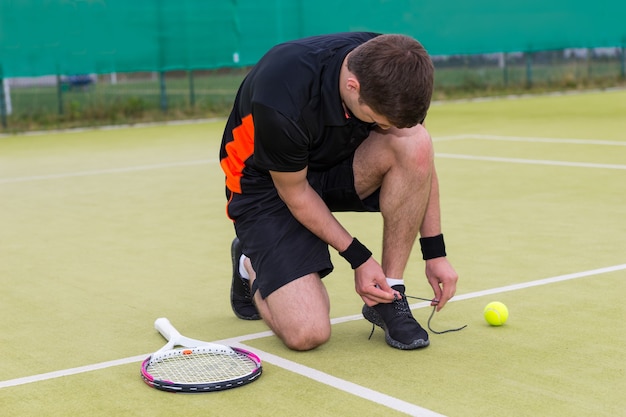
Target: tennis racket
197	366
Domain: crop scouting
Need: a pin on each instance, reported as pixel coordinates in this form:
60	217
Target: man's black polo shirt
288	113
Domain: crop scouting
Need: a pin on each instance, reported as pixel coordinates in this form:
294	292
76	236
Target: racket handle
166	329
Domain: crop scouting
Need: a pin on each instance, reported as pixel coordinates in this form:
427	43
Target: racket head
204	368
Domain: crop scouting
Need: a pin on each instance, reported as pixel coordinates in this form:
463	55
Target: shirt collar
332	108
333	111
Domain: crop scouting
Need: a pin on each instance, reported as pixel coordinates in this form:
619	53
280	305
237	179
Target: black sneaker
402	331
240	299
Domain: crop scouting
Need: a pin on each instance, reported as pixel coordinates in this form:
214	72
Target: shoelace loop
400	306
432	313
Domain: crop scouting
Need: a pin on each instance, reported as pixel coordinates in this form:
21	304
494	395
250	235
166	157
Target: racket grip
166	329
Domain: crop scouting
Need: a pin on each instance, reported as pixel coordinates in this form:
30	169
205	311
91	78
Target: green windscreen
103	36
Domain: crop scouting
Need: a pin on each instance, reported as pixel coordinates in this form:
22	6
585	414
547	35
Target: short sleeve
279	144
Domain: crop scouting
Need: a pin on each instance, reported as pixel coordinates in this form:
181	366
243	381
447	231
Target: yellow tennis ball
496	313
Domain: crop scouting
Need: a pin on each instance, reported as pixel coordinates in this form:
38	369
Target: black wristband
432	247
356	254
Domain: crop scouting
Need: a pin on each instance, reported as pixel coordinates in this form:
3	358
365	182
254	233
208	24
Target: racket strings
199	368
430	318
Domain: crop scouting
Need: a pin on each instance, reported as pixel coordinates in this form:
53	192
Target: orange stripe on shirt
238	150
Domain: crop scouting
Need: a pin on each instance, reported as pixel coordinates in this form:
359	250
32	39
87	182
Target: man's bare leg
400	161
298	312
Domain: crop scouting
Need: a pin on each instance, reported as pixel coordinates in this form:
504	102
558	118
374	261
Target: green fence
77	37
163	46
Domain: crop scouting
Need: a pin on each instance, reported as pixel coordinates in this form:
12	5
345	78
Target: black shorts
279	247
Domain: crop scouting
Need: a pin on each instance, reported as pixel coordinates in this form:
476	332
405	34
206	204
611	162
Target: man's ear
353	85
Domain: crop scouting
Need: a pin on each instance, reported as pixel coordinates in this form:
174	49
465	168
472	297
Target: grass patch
145	97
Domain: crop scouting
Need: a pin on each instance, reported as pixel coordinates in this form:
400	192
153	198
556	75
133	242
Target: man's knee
415	147
306	338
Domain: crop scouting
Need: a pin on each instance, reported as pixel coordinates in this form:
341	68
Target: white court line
211	161
106	171
346	386
113	127
530	140
530	161
71	371
443	155
314	374
569	141
138	168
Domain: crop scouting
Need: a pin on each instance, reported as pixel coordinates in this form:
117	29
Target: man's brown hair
396	78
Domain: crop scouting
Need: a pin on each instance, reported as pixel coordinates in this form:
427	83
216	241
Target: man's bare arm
310	210
440	274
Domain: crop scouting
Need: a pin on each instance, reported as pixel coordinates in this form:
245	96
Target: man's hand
371	284
442	278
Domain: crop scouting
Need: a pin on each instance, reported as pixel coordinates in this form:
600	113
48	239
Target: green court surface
103	231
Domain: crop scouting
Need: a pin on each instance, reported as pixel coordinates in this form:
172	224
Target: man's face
364	113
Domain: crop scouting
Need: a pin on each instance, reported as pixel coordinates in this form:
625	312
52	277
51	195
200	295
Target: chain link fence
92	100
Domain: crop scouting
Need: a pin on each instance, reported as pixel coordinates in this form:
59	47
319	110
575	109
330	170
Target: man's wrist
356	254
433	247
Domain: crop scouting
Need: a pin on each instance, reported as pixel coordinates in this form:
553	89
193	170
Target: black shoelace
432	314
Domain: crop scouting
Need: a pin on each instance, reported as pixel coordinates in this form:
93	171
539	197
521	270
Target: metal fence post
192	94
60	95
3	106
623	62
163	91
505	70
529	70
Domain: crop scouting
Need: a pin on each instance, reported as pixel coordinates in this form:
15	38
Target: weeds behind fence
57	102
